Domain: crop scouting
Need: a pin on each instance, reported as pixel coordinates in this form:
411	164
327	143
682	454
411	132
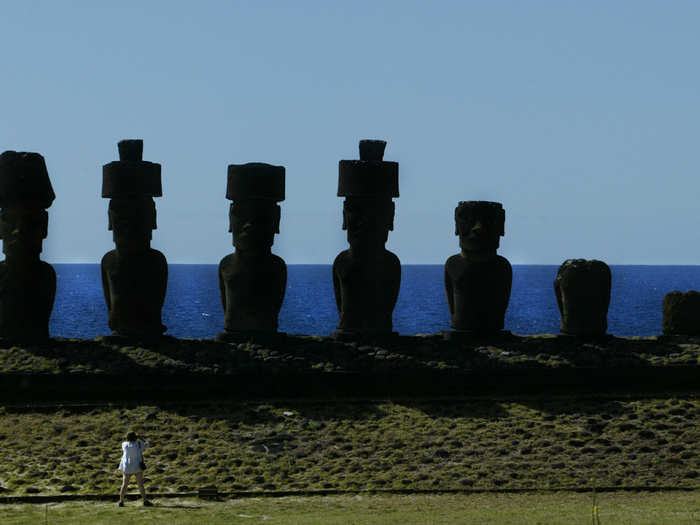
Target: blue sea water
193	306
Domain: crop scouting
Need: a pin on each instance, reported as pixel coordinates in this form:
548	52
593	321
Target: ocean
193	305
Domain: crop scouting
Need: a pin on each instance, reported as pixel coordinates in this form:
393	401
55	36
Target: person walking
132	463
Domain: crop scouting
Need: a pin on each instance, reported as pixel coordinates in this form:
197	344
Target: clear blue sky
582	118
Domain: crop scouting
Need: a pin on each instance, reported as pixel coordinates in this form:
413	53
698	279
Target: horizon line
402	264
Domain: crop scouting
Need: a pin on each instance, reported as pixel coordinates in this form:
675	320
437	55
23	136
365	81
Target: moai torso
366	290
478	292
367	277
134	286
26	300
582	289
477	280
252	292
134	275
253	280
27	284
681	313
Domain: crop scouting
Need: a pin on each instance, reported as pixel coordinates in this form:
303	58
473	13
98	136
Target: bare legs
122	491
139	482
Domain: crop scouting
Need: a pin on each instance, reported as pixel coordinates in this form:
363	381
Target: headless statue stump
134	276
681	313
583	296
27	284
478	280
366	277
252	280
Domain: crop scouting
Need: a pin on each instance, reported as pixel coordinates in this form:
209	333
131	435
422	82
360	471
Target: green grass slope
533	443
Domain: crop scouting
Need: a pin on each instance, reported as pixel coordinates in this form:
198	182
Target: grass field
549	509
419	444
570	444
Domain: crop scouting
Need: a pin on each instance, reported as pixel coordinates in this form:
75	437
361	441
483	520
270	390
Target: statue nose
360	222
477	227
23	228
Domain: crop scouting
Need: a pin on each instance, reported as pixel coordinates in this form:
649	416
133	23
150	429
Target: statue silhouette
252	280
478	280
27	284
366	277
134	275
583	295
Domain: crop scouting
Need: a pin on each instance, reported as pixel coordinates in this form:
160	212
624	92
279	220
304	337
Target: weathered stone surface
372	149
582	288
24	180
27	284
681	313
255	180
366	277
131	176
478	280
130	150
134	276
252	280
371	176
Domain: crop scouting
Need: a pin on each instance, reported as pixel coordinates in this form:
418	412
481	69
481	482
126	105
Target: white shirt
132	456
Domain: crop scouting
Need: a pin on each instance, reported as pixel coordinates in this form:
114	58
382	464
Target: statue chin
22	249
246	247
365	242
132	246
478	248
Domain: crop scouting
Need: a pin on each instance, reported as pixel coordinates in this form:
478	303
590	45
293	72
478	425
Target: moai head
131	221
368	185
25	193
582	289
131	183
479	225
254	215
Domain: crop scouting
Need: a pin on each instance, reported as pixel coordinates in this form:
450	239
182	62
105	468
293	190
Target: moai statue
583	295
252	280
134	276
366	278
478	280
27	284
681	313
